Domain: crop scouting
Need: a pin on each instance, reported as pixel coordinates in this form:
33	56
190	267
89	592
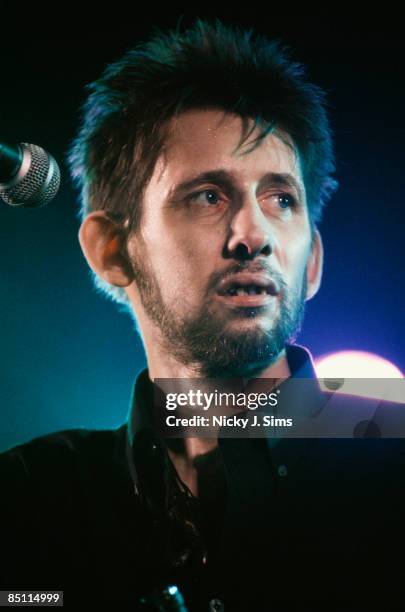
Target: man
204	160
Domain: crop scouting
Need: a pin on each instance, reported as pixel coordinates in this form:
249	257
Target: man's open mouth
247	283
248	290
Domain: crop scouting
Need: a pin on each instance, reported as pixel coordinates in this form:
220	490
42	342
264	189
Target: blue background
68	357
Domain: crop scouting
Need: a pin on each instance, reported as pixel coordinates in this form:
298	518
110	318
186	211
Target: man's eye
206	197
286	200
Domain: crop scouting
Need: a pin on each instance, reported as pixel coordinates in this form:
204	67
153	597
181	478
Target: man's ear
314	265
102	242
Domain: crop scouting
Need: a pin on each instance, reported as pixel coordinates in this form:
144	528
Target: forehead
208	139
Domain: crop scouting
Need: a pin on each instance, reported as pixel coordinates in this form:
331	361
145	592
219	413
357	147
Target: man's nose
250	233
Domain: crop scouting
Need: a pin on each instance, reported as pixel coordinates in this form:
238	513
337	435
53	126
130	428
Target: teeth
249	290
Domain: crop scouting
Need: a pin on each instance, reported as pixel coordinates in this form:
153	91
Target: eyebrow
224	179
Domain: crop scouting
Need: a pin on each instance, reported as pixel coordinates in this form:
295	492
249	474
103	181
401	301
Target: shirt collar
148	461
140	416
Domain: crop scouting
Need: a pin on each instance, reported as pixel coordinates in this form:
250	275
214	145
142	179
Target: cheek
181	260
293	258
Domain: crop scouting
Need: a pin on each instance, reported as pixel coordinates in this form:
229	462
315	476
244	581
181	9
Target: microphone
29	176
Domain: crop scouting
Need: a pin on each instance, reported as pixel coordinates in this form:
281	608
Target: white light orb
354	366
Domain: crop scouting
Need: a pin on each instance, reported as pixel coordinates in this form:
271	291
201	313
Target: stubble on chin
208	344
229	350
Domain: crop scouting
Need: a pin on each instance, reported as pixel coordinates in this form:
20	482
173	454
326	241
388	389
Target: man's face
220	255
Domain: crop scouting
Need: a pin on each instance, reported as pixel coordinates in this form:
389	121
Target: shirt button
216	605
282	470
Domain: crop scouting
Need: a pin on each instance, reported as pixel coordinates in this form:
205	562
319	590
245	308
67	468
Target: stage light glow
355	364
352	366
172	589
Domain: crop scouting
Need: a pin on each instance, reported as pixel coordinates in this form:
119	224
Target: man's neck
163	365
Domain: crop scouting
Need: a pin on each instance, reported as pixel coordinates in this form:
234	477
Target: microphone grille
37	181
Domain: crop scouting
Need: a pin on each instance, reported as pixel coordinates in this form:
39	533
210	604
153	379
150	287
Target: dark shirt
192	539
286	524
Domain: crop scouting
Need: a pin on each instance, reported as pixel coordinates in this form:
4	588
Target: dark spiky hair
209	65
